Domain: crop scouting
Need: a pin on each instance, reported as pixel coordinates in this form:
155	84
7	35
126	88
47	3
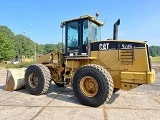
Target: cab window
94	32
85	31
72	37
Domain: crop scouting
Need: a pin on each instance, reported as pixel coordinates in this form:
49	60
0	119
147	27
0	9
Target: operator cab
78	33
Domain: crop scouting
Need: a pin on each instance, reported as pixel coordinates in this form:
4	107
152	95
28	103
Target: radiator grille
126	56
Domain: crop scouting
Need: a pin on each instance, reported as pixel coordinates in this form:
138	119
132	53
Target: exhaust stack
115	30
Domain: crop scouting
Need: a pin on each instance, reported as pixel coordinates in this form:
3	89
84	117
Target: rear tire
92	85
37	79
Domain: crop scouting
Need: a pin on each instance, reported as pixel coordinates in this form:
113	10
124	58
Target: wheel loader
95	68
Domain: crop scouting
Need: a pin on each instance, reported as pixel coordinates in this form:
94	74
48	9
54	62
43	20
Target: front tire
92	85
37	79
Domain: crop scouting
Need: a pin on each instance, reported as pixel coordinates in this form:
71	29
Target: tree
49	47
52	47
7	50
12	46
24	46
7	32
39	49
60	46
154	51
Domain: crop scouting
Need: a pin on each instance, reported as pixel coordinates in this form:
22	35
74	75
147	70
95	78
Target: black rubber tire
104	80
44	79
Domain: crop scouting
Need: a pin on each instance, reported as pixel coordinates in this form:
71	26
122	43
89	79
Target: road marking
46	105
105	112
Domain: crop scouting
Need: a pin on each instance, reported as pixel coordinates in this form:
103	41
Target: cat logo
103	46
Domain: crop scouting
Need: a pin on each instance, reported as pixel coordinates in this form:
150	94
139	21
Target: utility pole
34	49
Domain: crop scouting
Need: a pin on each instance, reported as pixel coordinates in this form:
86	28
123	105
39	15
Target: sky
41	19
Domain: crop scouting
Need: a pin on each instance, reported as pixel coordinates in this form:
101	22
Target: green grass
155	59
19	65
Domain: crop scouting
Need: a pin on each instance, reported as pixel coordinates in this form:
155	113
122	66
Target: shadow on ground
64	94
113	98
2	87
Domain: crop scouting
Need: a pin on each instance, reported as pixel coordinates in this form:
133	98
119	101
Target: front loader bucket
15	79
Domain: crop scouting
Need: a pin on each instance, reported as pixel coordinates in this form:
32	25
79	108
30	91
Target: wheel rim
33	80
89	86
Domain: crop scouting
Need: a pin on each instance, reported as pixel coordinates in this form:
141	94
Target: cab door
76	37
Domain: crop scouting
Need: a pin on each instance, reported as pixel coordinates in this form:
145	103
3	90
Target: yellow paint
150	77
128	67
128	86
93	19
133	77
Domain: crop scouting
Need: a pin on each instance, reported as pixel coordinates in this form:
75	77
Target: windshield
72	29
79	32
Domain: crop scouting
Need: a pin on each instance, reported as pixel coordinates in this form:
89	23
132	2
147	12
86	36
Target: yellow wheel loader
95	68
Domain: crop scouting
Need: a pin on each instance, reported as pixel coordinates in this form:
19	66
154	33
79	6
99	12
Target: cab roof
91	18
